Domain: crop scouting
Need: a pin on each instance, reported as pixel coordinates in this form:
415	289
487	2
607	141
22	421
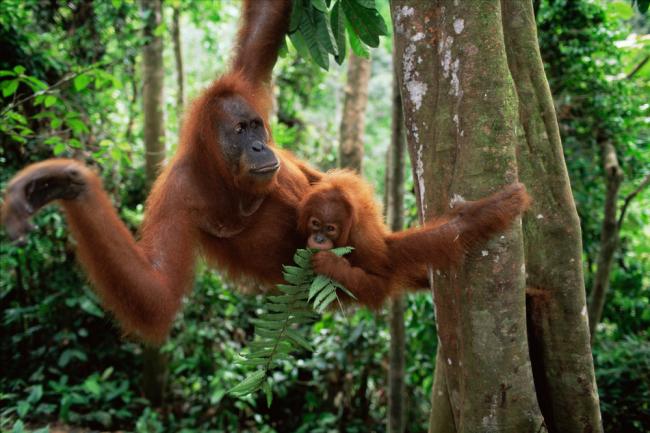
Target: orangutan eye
239	128
330	228
314	223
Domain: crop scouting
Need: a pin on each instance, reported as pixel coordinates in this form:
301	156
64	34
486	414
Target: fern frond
276	336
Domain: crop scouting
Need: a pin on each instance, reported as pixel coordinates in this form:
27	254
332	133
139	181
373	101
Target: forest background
71	77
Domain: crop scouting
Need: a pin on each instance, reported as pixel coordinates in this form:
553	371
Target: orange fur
384	264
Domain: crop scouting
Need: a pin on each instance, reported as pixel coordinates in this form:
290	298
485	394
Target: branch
628	199
637	68
66	78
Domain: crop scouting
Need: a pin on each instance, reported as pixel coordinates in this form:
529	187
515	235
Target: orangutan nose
319	238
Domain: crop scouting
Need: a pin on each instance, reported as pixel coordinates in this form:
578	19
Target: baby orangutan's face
323	234
326	220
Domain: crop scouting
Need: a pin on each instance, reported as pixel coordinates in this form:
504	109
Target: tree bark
152	91
557	312
395	218
155	363
608	235
460	112
441	419
354	113
178	58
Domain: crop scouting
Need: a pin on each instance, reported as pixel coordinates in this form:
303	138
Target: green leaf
266	324
294	279
18	427
366	22
80	82
253	362
342	287
269	394
288	289
319	5
17	117
300	44
326	302
304	261
296	337
77	125
338	29
296	15
248	385
50	100
341	251
327	290
34	83
317	285
294	270
59	148
273	316
35	394
22	408
19	70
9	87
324	33
268	333
92	386
317	51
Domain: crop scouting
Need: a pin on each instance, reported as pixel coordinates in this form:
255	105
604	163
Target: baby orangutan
340	210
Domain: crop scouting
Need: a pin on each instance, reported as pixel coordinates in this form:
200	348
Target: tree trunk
178	57
152	91
354	113
441	419
155	368
608	236
395	218
557	312
460	112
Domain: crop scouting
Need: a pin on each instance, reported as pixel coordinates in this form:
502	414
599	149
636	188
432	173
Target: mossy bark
395	217
557	311
354	113
155	363
461	118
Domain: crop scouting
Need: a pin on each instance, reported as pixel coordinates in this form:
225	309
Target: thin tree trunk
608	235
354	113
178	57
395	218
557	312
128	134
155	371
460	112
152	91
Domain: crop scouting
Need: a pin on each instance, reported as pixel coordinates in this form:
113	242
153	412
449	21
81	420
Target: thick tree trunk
557	311
354	113
608	235
178	58
395	218
441	419
460	109
155	368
